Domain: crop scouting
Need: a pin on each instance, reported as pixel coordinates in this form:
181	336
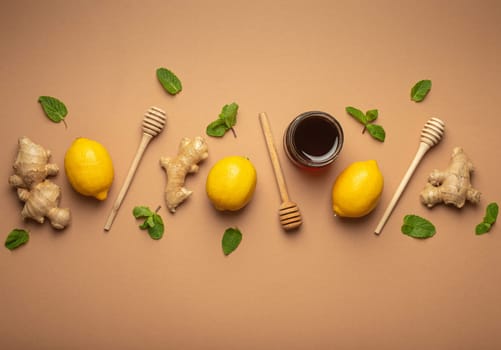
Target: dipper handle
431	134
153	124
272	151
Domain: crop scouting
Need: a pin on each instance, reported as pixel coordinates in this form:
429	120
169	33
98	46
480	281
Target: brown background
333	284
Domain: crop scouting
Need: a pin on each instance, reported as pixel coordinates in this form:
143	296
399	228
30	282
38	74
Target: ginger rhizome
40	196
453	185
190	153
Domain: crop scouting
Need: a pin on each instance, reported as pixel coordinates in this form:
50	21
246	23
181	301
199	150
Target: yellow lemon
357	189
231	183
89	168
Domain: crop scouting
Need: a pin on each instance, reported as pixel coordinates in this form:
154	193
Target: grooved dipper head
154	121
290	217
432	131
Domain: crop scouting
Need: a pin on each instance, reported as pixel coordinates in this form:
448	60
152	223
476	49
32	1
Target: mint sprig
418	227
169	81
153	222
420	90
226	121
231	240
491	214
54	109
16	238
376	131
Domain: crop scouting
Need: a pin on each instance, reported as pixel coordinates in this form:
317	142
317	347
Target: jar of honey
313	140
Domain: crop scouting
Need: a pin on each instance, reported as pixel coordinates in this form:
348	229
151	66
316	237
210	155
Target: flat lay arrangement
263	175
232	181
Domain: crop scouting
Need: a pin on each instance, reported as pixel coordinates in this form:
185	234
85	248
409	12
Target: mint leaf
169	81
420	90
231	239
371	115
148	222
217	128
141	212
229	114
157	230
357	114
491	213
54	109
153	222
417	227
482	228
226	120
16	238
376	131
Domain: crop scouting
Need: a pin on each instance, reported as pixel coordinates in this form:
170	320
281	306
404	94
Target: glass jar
313	140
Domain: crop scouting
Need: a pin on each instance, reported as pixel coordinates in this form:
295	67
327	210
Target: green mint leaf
376	131
482	228
371	115
229	114
157	230
149	222
417	227
420	90
54	109
491	213
231	239
16	238
217	128
169	81
153	222
142	212
226	120
357	114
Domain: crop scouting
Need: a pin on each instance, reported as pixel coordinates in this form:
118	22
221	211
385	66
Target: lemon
357	189
89	168
231	183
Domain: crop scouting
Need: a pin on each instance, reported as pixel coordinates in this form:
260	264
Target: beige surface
334	284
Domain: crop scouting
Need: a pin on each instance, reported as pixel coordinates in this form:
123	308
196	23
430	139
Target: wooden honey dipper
290	217
153	124
431	134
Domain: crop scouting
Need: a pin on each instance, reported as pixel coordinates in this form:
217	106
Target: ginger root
453	185
32	165
190	153
41	196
